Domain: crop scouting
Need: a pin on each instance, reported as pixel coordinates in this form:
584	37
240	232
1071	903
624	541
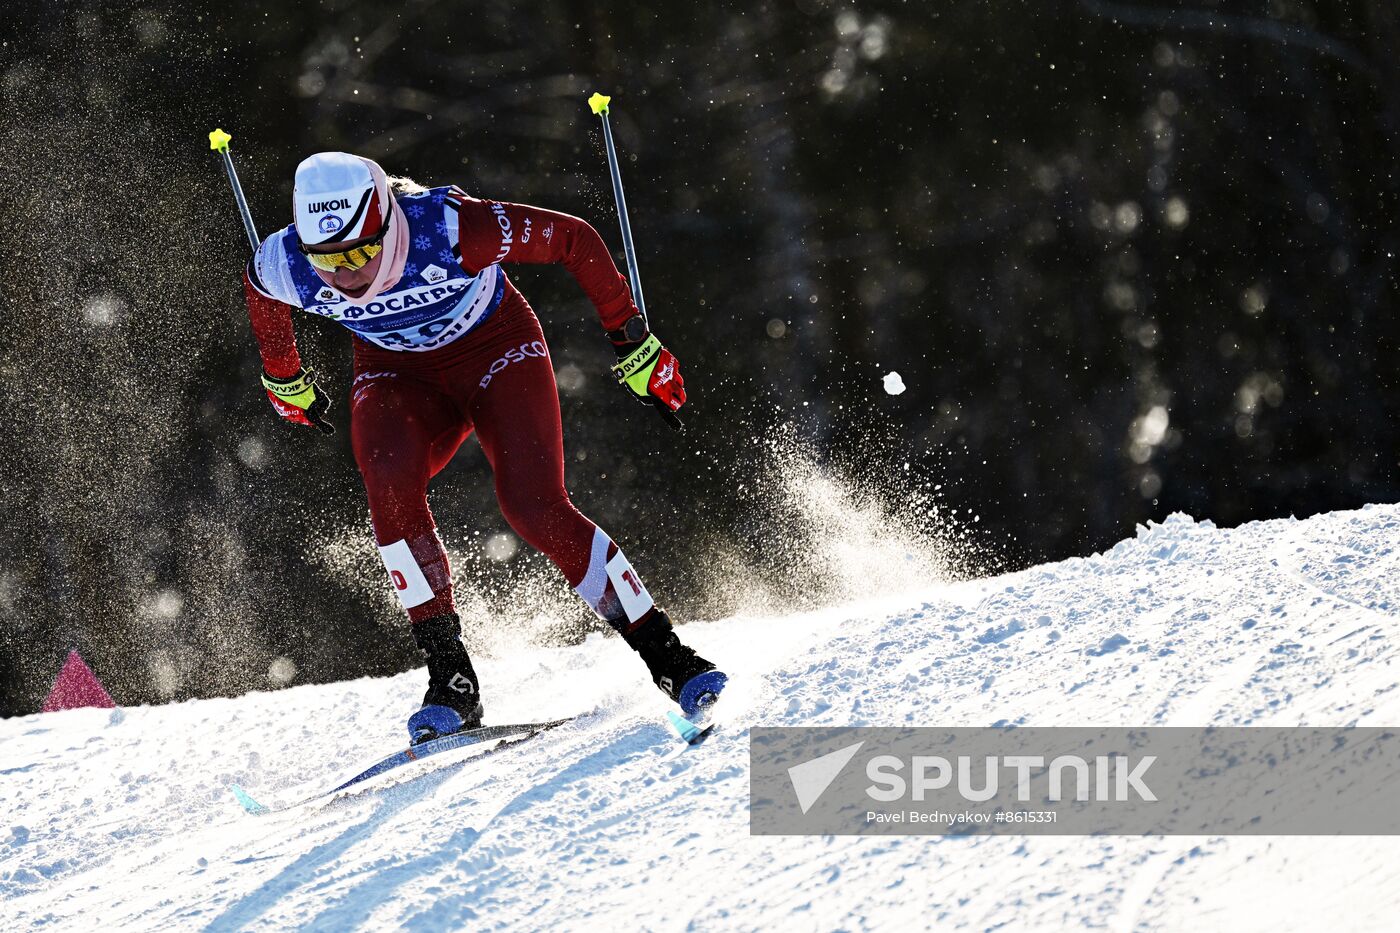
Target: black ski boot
453	701
682	675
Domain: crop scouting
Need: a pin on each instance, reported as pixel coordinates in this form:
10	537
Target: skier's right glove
297	400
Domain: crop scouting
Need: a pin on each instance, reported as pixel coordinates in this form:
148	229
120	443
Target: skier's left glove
298	401
652	374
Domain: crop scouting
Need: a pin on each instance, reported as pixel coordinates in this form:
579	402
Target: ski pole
218	141
598	103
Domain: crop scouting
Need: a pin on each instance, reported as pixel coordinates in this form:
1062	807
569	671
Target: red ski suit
411	411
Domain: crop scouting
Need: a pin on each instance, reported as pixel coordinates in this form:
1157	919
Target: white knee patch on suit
405	574
611	587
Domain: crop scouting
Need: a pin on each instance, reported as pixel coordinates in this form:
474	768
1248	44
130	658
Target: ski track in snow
124	819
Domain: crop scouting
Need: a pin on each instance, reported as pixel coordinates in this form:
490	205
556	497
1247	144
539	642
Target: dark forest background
1128	258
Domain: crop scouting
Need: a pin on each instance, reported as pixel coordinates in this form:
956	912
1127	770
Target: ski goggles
356	257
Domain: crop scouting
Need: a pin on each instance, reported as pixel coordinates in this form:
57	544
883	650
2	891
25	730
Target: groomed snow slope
125	822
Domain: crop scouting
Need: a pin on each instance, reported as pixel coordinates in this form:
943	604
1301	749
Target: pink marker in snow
76	687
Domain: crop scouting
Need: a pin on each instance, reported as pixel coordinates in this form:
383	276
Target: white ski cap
338	197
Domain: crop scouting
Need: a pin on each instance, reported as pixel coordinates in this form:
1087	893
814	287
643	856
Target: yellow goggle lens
356	258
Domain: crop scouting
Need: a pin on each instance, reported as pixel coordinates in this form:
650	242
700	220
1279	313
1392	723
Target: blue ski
510	735
691	731
695	728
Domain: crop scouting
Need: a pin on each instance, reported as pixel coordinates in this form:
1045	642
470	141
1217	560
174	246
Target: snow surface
123	820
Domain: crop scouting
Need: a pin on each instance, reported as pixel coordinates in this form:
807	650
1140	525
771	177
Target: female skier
444	346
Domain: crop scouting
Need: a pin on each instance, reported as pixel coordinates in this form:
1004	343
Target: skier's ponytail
402	185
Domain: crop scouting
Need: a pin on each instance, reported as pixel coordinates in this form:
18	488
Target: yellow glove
652	374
